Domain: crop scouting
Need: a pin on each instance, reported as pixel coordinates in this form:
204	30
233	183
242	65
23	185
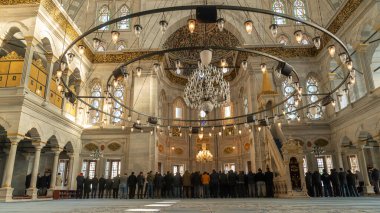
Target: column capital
38	145
15	139
57	151
50	58
29	40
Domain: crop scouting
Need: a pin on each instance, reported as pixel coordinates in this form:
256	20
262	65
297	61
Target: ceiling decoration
91	147
114	146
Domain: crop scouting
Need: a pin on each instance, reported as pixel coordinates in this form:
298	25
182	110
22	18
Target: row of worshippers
189	185
43	182
336	184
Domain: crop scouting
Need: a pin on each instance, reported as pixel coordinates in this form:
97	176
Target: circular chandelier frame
218	7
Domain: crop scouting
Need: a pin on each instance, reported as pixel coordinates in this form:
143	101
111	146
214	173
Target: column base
32	192
368	190
6	194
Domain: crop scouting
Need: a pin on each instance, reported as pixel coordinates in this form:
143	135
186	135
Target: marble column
50	65
53	180
71	166
364	63
29	49
368	189
32	191
6	190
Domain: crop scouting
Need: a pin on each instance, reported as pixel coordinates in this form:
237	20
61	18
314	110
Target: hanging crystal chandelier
96	155
204	155
206	88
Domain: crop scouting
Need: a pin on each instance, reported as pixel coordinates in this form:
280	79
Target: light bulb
59	87
273	29
138	121
333	103
250	130
200	135
138	71
132	129
248	26
138	29
191	24
343	57
349	65
239	132
352	79
81	49
163	25
244	64
220	22
223	63
115	83
95	43
177	64
70	57
63	65
122	127
151	132
317	42
263	67
115	36
178	71
299	35
59	74
331	49
129	118
259	128
220	133
156	67
298	118
209	134
224	127
38	91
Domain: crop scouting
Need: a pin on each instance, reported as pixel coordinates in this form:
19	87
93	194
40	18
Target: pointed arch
299	9
278	6
126	23
104	16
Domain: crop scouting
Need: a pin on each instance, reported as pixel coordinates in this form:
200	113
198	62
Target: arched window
299	9
96	91
375	67
117	110
342	93
312	89
104	16
278	7
290	105
245	105
124	24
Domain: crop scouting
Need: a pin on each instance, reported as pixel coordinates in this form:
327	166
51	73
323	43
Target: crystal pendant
95	43
248	26
343	57
191	24
273	29
299	35
317	42
331	49
115	36
244	64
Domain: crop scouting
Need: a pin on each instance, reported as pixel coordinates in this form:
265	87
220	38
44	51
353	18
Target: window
320	164
104	16
324	162
354	164
112	168
290	105
178	113
179	168
278	7
245	105
96	91
312	89
124	24
63	168
304	163
299	9
118	93
227	111
228	167
329	164
89	168
341	94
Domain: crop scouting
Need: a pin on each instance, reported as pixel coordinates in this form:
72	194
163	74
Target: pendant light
163	25
349	64
156	67
95	43
220	23
223	62
263	67
70	57
299	35
138	71
59	73
343	57
191	24
244	65
331	49
317	42
138	29
115	36
273	29
81	49
248	26
60	87
129	117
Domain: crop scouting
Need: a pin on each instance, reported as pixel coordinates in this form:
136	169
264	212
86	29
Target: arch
104	16
14	41
278	6
15	25
52	142
321	142
299	9
68	147
34	134
48	42
179	107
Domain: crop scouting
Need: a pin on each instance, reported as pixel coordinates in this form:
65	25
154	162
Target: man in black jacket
115	186
317	184
269	183
334	177
214	182
232	180
80	182
109	184
309	183
223	184
132	181
326	184
140	185
343	183
251	184
94	186
102	185
27	181
260	184
351	183
87	188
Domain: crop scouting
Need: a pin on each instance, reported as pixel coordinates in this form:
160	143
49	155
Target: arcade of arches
42	132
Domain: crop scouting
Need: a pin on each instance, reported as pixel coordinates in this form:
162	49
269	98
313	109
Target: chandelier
96	155
318	151
206	88
204	155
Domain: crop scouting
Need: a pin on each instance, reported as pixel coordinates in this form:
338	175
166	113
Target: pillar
32	191
50	65
6	190
29	49
69	178
364	64
53	180
368	189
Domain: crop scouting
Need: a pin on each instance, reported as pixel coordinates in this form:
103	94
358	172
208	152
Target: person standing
80	182
27	181
351	183
87	188
214	183
375	179
334	177
102	185
123	186
309	183
150	181
177	184
317	184
109	184
232	179
223	184
260	183
326	184
251	184
206	185
94	186
240	184
58	180
343	183
186	184
158	185
115	187
132	181
140	185
269	183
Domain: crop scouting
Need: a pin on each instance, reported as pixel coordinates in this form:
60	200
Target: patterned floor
339	205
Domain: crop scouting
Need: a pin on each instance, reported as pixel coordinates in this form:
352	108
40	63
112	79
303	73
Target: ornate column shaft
368	189
55	168
50	65
8	171
71	163
27	61
32	191
364	64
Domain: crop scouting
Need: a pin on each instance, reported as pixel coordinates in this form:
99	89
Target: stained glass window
117	109
278	7
290	105
104	16
315	111
96	91
299	9
124	24
227	111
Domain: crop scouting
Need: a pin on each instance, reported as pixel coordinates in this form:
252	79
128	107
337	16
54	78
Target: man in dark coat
158	185
223	184
269	183
241	184
102	185
309	183
232	179
251	184
80	182
27	181
351	183
115	186
343	183
94	186
214	183
177	185
317	184
168	184
87	188
326	184
260	183
334	177
132	181
109	184
375	175
140	185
